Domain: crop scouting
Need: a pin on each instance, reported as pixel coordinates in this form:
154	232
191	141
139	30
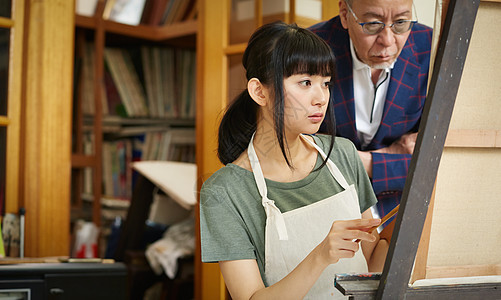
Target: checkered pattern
402	109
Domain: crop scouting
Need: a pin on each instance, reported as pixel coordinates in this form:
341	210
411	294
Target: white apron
291	236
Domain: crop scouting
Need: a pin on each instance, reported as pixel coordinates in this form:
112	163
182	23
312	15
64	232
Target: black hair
275	51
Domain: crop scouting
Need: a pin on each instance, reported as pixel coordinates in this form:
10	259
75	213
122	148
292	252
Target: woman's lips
318	117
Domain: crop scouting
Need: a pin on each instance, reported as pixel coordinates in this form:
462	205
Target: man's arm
387	167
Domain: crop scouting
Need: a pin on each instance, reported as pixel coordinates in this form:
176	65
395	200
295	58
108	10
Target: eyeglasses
375	27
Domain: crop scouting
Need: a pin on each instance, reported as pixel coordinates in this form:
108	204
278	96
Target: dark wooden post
444	84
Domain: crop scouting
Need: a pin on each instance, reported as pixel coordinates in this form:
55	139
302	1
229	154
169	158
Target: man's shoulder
334	34
421	36
327	28
324	25
418	46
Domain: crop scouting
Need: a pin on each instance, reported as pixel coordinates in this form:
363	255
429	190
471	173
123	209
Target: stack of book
154	82
152	144
125	80
166	12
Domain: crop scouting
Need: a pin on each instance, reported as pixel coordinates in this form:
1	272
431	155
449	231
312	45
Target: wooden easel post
444	84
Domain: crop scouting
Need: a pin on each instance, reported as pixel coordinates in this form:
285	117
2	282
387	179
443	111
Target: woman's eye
327	84
305	83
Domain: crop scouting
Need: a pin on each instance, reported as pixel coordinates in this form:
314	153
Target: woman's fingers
357	224
344	237
355	230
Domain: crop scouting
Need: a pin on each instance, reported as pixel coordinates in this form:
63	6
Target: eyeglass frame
412	22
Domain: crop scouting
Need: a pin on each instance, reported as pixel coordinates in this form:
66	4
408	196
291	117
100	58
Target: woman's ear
257	91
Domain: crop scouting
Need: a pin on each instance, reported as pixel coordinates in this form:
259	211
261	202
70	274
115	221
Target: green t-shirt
232	218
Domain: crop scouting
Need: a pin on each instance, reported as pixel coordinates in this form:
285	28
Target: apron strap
330	165
272	211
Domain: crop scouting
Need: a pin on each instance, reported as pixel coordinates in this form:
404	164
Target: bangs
308	54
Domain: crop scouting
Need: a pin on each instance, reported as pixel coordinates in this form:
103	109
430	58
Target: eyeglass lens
397	27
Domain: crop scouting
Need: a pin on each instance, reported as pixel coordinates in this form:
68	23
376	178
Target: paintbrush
383	220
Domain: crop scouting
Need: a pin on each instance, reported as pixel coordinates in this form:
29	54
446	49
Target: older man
382	56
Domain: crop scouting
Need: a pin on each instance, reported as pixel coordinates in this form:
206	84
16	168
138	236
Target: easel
393	283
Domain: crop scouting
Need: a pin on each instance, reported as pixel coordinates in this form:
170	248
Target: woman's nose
321	95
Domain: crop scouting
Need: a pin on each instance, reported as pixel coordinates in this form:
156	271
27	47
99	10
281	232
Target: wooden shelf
151	33
235	49
6	22
4	121
147	121
85	22
82	161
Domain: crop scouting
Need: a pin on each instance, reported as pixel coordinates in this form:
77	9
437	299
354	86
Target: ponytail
237	126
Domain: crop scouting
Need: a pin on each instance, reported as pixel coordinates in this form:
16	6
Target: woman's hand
243	279
341	241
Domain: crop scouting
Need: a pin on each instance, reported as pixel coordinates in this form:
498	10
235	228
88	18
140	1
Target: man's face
380	50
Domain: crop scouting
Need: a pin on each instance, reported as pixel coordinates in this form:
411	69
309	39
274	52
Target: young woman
282	217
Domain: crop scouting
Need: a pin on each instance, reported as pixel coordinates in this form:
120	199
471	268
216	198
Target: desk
72	281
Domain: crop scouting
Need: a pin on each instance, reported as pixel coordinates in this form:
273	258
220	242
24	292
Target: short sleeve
223	232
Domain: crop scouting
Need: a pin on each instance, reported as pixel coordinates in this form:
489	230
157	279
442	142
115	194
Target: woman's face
306	100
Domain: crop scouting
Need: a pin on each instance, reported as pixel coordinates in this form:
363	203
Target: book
117	172
151	95
108	8
88	149
2	249
11	235
168	77
125	77
181	11
158	82
185	74
88	61
86	7
113	101
153	12
179	145
113	63
127	11
192	12
167	15
136	93
107	169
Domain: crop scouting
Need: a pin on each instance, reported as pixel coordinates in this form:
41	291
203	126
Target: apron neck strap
330	165
256	168
272	211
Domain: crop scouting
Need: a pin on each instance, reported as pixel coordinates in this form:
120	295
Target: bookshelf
110	60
